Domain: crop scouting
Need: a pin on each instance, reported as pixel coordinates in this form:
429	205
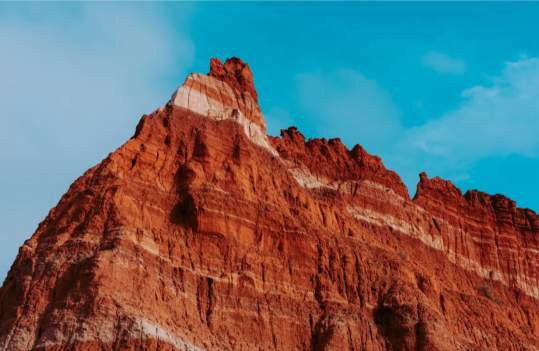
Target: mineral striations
203	233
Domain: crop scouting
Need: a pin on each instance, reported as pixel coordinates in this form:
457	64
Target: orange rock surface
202	233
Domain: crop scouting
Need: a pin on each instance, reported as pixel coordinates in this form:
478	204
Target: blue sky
447	88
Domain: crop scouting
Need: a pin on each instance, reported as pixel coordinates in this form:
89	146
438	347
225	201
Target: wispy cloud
495	120
345	103
443	63
75	80
498	119
276	119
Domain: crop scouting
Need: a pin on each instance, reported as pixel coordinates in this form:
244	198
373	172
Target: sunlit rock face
226	93
203	233
226	89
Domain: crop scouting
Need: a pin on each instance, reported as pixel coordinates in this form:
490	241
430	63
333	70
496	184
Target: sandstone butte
203	233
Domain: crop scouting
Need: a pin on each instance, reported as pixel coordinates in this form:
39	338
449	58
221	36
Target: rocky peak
330	159
200	229
227	92
293	135
235	73
436	189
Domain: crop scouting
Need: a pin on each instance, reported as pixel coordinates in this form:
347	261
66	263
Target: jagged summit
226	92
203	233
235	73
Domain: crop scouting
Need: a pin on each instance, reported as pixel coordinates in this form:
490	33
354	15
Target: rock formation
203	233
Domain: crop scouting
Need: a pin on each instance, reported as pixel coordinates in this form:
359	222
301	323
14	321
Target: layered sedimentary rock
226	92
485	233
203	233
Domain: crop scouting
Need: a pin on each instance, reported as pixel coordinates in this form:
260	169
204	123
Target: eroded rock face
201	233
226	92
500	240
236	74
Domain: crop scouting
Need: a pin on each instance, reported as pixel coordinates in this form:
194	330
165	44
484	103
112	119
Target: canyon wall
203	233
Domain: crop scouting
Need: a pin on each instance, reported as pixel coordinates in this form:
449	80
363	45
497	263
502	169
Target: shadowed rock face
202	233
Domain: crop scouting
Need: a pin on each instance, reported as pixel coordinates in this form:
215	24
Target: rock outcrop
228	90
202	233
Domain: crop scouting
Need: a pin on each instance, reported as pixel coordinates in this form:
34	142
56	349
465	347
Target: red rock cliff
201	233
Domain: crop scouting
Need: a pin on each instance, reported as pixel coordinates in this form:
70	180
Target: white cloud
493	120
345	103
97	69
75	81
443	64
496	120
499	119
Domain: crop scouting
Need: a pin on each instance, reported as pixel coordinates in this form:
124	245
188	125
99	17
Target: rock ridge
227	91
235	73
202	233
